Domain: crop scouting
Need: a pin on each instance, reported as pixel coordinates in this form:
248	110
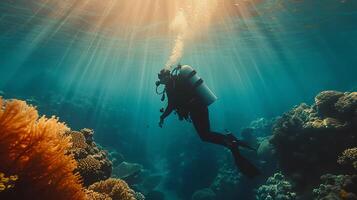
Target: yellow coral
117	189
349	156
34	149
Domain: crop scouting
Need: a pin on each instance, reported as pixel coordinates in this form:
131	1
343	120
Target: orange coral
35	149
115	188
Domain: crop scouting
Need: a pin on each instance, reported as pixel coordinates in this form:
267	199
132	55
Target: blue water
258	67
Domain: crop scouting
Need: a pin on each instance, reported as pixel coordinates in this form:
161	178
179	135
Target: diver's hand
161	122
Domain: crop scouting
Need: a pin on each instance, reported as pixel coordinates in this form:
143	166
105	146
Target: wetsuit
188	106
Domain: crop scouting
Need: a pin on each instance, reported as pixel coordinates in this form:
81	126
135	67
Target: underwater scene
178	100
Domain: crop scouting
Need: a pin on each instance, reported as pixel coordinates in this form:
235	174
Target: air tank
201	89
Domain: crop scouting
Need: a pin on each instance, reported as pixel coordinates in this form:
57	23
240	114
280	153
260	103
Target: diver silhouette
190	97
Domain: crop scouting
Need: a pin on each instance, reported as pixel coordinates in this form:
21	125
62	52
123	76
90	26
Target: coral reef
116	189
276	188
91	195
227	180
35	149
204	194
337	187
93	162
349	157
308	139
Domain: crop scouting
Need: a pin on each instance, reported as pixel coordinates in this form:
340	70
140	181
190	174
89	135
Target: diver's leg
200	119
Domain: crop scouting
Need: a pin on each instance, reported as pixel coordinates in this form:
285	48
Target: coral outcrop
337	187
226	181
111	188
34	148
93	162
308	139
276	188
349	158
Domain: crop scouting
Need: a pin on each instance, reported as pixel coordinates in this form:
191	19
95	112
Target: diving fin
232	141
244	165
245	145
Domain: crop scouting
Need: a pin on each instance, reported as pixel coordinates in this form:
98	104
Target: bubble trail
194	17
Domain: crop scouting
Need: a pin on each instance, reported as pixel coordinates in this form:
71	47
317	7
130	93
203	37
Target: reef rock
276	188
308	139
248	136
204	194
227	180
337	187
93	163
325	103
265	149
125	169
262	126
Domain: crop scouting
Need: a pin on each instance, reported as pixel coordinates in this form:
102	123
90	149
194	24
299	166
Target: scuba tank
187	73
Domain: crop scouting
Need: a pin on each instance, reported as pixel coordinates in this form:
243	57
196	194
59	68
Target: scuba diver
189	97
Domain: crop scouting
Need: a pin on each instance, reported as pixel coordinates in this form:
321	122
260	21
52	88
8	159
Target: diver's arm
168	111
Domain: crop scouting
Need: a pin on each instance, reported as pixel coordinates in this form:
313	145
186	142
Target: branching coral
115	188
35	149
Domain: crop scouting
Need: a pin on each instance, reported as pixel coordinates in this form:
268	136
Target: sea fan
34	149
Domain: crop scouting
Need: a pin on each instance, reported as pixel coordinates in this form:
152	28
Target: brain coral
91	195
34	149
115	188
93	163
308	139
